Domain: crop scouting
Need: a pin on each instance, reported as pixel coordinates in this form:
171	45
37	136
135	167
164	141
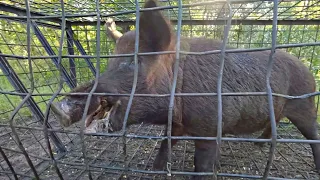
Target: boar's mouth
97	121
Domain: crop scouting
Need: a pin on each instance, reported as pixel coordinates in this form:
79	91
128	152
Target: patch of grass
9	102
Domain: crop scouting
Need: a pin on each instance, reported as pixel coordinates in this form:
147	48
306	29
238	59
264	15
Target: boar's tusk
62	117
100	113
107	120
91	117
89	120
92	128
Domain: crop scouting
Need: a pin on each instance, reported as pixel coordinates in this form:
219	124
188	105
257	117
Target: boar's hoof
159	163
65	122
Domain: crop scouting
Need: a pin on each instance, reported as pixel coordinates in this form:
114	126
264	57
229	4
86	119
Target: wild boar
197	115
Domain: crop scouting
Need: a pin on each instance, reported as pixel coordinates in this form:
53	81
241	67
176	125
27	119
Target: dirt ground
105	156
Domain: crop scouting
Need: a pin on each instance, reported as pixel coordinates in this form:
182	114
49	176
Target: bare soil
105	156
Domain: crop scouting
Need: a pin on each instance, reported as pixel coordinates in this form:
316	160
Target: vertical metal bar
134	85
81	49
50	51
311	62
82	126
174	84
32	105
238	33
264	31
269	90
45	129
27	97
71	60
219	83
313	49
300	48
250	37
9	164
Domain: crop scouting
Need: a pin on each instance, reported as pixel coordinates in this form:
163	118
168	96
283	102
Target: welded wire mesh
85	11
68	40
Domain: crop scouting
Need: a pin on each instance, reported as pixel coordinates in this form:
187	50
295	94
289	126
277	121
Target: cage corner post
72	64
70	33
50	52
32	105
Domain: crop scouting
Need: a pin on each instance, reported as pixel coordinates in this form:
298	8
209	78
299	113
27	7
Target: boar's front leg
205	158
162	156
266	134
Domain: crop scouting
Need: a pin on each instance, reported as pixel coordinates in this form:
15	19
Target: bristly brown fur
85	87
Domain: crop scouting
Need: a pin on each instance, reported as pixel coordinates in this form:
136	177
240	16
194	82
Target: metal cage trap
47	42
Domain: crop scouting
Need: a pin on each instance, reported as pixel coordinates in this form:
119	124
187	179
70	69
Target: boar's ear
154	31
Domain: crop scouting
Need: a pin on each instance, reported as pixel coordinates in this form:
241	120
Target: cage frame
27	16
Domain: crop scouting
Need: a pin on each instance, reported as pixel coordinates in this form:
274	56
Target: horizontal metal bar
13	19
22	12
176	94
235	139
181	52
213	22
169	52
54	17
186	22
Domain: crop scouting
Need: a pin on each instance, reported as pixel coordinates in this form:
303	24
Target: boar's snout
62	111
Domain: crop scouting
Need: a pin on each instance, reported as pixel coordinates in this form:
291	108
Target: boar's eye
127	63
